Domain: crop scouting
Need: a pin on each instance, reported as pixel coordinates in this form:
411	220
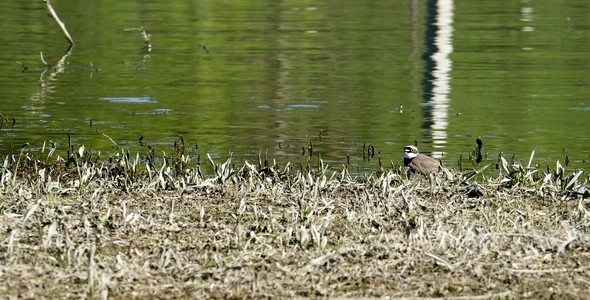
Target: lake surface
248	76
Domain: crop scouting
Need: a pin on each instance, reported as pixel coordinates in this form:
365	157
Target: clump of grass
128	226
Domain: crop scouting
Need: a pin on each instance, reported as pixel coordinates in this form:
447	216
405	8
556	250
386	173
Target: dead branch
22	65
146	38
59	22
43	60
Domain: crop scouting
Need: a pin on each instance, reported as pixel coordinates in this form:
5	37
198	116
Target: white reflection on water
441	74
129	100
294	106
527	16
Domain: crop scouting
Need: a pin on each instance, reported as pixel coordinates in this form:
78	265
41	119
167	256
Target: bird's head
410	152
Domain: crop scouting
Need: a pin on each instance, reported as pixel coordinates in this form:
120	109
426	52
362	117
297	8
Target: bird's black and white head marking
410	152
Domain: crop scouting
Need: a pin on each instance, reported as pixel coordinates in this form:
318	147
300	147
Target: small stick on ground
59	22
440	260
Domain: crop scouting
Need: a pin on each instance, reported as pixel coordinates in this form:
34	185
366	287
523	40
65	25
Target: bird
420	163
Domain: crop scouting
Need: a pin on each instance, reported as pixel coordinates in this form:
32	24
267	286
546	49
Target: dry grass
110	230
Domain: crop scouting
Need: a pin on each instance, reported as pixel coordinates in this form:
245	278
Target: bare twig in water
59	22
146	38
22	65
43	60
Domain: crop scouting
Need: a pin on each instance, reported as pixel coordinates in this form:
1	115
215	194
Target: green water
244	76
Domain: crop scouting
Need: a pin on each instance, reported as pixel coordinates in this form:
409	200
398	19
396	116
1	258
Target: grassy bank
132	228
